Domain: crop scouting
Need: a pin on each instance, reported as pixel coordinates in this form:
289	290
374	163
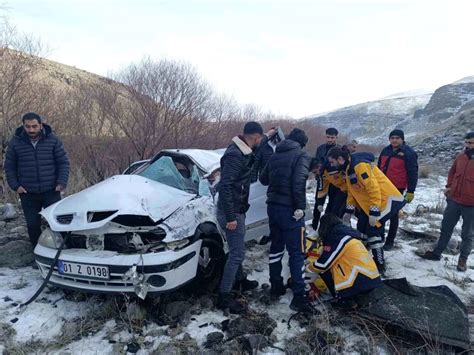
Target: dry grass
424	171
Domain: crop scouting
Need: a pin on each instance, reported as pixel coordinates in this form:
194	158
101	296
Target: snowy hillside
59	322
419	113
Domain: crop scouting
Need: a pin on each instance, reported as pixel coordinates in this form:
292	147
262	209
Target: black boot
300	303
245	285
277	288
226	301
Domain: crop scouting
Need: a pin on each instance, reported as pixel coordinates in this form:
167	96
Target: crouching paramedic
371	193
345	264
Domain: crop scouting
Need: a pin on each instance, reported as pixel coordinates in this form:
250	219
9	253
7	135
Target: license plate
86	270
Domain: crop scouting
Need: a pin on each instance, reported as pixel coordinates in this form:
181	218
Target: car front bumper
163	271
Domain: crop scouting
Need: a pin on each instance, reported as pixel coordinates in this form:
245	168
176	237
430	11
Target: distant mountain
418	113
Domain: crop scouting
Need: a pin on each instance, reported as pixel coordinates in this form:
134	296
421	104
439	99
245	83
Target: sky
295	58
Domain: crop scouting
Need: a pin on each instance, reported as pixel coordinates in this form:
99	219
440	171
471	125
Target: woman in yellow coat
370	194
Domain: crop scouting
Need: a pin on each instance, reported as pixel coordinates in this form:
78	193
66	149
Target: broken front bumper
162	271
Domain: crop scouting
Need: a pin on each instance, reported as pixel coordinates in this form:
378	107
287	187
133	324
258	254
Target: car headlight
50	239
178	244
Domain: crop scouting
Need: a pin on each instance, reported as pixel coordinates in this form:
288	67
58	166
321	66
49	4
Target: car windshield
174	174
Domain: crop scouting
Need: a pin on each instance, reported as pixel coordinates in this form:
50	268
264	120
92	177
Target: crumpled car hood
128	194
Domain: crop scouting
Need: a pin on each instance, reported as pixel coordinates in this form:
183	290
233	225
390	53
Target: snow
409	93
45	318
466	80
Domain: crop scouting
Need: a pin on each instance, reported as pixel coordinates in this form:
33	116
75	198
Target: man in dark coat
265	150
285	174
232	204
37	167
400	164
337	198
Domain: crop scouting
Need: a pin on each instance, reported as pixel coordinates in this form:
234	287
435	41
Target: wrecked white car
151	231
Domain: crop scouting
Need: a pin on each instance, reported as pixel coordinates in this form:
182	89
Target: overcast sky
291	57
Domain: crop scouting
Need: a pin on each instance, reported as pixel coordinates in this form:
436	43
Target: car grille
65	218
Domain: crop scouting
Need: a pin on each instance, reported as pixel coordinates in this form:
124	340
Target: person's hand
409	196
373	220
320	208
21	190
231	225
447	192
271	132
59	187
298	214
346	219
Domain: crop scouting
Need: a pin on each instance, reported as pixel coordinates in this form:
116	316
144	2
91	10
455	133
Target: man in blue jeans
285	174
232	204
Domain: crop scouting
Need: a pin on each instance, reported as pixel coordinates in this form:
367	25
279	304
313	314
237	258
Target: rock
179	311
213	339
6	332
21	230
17	253
253	342
8	212
241	326
136	313
232	347
206	302
2	224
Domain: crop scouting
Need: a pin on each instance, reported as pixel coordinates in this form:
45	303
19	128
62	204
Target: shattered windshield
173	174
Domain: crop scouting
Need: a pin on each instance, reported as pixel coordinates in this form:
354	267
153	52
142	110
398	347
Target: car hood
125	194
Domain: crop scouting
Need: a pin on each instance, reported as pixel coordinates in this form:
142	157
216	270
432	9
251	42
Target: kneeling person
345	265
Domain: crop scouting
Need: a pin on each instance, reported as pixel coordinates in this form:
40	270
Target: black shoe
429	255
226	301
245	285
300	303
277	289
388	246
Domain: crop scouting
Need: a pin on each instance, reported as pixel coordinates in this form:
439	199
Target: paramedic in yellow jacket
345	264
370	194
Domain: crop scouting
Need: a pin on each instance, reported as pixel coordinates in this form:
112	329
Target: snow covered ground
75	324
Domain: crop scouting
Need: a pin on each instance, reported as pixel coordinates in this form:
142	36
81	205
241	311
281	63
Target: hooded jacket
285	175
38	169
370	190
461	179
234	185
352	268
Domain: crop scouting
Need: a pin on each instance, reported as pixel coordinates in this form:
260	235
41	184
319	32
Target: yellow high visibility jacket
370	190
352	267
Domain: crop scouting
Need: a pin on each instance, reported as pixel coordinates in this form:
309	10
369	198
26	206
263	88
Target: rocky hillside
420	114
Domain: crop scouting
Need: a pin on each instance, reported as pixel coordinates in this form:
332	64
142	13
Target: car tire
210	266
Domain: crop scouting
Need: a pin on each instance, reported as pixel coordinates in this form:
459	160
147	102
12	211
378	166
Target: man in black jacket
265	150
236	168
36	167
285	174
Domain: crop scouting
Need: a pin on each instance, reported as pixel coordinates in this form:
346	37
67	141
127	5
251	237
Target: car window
164	170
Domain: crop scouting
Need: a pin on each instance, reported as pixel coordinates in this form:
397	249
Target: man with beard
371	194
37	168
232	204
460	203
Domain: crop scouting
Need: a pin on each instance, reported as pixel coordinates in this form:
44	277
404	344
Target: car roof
208	160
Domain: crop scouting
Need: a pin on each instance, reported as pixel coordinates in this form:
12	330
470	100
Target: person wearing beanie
399	163
460	203
232	204
336	197
37	168
285	175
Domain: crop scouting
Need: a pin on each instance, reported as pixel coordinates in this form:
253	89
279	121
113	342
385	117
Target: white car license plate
87	270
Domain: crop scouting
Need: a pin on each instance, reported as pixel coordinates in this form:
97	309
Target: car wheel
210	265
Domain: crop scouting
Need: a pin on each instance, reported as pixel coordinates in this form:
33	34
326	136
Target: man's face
254	140
33	128
330	139
336	163
469	143
395	141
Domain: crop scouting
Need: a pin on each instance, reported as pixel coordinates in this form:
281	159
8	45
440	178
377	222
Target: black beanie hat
252	128
398	133
299	136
